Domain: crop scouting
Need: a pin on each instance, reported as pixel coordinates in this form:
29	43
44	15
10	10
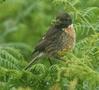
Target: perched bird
60	38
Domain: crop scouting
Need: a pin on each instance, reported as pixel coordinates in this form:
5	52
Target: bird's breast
71	36
68	40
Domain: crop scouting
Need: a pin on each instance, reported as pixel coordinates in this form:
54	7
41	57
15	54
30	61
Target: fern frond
11	58
24	49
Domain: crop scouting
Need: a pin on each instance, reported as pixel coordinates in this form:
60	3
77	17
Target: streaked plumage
59	39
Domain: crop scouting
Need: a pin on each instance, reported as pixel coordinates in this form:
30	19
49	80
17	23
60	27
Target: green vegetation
22	24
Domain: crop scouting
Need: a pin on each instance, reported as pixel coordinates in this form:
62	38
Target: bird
59	39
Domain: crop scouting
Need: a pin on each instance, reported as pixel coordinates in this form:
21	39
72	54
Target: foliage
25	21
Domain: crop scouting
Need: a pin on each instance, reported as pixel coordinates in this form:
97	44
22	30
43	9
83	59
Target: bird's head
63	20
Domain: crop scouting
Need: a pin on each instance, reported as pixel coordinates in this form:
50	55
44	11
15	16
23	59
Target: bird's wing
48	38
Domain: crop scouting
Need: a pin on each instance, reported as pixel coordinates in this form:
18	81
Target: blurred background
25	21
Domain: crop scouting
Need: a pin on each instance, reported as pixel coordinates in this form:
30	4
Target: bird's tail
35	56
